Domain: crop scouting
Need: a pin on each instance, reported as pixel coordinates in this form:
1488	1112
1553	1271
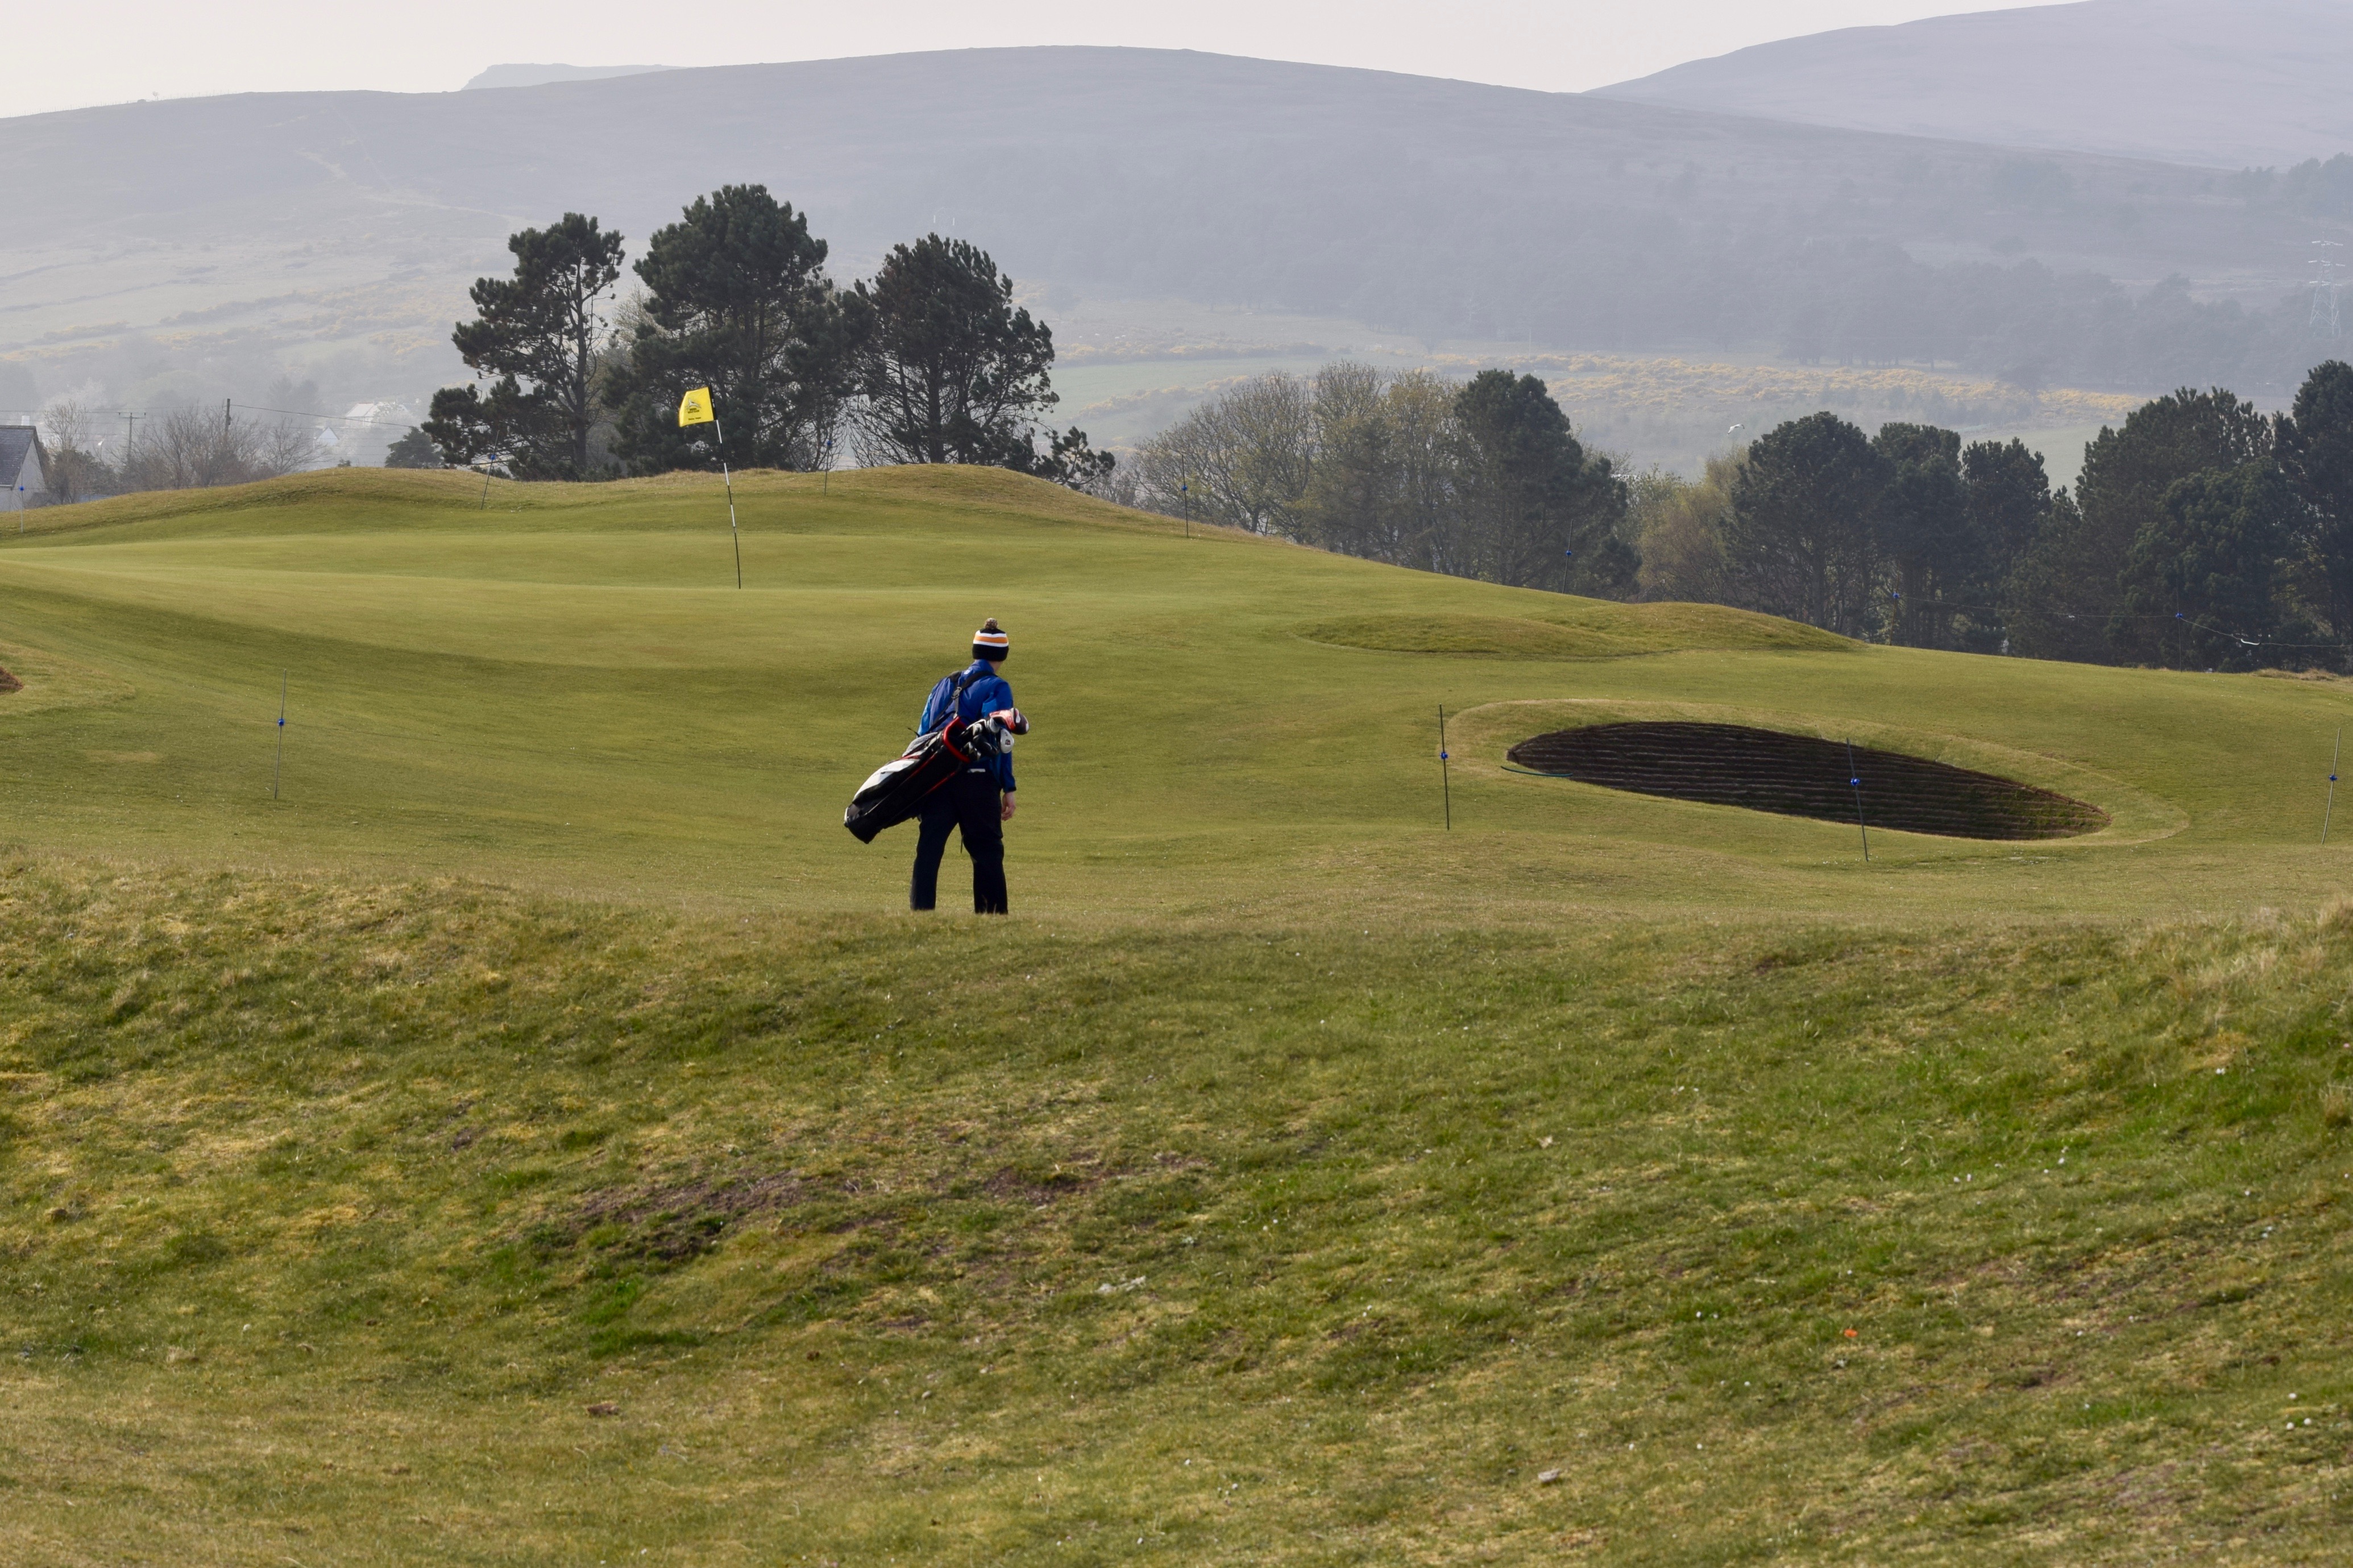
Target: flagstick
1445	782
731	531
278	766
2334	751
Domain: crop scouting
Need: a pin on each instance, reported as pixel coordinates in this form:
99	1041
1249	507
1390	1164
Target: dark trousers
968	801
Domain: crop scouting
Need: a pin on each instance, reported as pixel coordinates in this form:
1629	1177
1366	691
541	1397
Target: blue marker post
2334	752
1854	782
825	462
1185	488
1445	783
278	766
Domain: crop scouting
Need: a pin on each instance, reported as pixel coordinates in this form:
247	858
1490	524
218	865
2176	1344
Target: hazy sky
106	51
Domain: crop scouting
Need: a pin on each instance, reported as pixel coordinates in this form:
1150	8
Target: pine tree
953	371
1802	537
737	299
536	337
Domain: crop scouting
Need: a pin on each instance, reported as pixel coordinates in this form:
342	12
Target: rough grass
334	1214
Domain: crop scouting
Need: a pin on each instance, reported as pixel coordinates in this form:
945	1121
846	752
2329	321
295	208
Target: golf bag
897	789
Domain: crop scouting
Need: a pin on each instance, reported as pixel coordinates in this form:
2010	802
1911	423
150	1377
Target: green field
566	690
539	1136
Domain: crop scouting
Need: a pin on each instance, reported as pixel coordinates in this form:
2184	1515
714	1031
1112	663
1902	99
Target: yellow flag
694	408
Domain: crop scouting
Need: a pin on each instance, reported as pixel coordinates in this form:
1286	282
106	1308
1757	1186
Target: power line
346	419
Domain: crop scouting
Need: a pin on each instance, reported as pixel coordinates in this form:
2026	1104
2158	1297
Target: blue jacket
986	693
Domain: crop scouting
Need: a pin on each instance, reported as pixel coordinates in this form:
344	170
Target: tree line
188	447
1484	480
928	362
2203	534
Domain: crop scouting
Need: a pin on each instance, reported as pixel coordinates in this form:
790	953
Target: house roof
15	440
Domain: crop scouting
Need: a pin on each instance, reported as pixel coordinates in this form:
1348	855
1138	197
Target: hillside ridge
2256	82
1443	210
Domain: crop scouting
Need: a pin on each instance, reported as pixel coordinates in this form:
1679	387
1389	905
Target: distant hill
537	76
190	243
2247	83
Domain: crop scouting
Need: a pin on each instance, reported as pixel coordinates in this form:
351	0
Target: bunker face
1799	775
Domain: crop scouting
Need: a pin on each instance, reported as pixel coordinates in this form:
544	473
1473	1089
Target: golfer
979	800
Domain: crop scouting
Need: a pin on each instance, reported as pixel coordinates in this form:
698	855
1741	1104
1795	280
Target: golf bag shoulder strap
951	688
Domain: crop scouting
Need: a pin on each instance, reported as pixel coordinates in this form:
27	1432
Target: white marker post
695	408
734	537
2334	752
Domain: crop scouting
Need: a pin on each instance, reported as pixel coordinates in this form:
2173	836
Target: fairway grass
537	1136
564	691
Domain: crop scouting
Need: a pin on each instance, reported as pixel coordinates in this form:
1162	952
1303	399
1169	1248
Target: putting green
563	687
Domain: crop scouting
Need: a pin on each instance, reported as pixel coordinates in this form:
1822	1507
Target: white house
24	467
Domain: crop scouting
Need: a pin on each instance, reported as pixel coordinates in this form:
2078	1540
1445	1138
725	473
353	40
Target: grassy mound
560	1232
1592	631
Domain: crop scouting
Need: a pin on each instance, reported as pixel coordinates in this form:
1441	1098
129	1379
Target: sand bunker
1801	776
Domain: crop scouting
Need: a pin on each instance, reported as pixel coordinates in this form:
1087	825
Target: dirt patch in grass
684	1220
1037	1188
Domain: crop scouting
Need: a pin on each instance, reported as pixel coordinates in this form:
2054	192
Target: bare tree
195	449
1244	458
179	452
1350	501
1383	479
1420	411
1679	528
285	447
1394	469
78	470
